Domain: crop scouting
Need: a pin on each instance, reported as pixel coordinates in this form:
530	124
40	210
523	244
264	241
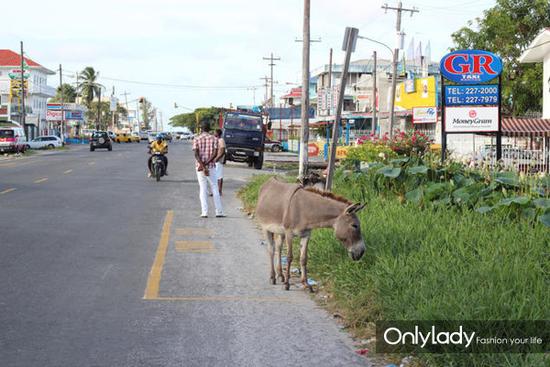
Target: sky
200	53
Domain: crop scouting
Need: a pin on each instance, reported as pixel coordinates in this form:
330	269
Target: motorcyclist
158	146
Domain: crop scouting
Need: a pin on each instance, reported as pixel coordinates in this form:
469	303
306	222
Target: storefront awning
512	125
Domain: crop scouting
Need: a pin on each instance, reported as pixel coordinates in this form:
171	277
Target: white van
12	140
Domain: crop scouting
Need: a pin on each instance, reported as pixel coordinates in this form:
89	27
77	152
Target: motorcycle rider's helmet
159	138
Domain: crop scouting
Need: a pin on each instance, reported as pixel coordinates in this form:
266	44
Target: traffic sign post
468	105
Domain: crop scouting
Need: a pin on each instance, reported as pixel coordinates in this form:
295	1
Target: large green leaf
484	209
520	200
507	178
545	219
400	160
543	203
415	170
415	195
389	171
435	190
462	195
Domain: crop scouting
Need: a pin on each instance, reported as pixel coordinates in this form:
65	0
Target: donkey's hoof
287	286
272	280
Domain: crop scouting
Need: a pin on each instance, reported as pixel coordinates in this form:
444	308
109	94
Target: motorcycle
157	166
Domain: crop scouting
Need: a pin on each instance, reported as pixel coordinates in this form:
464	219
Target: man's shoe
204	216
221	215
166	173
149	174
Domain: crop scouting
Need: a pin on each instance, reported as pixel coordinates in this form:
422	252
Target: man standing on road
219	160
206	151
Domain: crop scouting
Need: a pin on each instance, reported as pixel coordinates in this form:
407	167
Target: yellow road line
194	246
153	281
229	298
6	191
194	232
68	171
43	179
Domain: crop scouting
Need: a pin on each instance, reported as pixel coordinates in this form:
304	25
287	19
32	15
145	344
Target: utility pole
399	10
23	112
97	125
374	76
350	40
266	85
62	128
271	64
329	82
125	94
304	141
114	112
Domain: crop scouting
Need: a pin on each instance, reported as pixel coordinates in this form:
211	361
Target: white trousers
204	181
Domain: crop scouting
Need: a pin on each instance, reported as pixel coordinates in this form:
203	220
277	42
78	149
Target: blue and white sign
467	95
424	115
470	66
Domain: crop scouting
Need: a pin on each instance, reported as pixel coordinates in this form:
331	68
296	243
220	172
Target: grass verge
443	264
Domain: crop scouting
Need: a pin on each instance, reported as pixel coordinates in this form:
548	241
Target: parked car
135	137
12	140
273	145
151	136
45	142
123	138
143	135
100	139
185	135
112	135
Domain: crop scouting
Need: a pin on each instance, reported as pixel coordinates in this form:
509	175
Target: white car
45	142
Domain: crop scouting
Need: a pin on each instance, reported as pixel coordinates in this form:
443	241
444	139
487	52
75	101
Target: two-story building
37	92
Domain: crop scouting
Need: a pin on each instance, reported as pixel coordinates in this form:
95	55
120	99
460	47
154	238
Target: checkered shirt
207	145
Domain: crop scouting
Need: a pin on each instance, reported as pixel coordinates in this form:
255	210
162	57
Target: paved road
101	266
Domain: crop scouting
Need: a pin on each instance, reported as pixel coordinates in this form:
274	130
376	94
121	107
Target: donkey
287	210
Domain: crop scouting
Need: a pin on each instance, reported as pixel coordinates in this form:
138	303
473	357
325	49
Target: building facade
36	87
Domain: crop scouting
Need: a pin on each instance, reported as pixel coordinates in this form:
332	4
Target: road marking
68	171
43	179
194	246
7	191
91	163
194	232
153	281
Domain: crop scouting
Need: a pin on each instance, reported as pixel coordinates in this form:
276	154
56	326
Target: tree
106	115
191	119
89	87
507	29
147	113
67	91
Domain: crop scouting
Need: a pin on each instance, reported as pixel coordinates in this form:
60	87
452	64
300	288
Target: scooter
157	166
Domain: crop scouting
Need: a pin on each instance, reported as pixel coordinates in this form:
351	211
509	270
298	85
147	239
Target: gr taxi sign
470	66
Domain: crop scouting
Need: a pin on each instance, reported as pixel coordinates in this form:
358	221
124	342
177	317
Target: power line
168	85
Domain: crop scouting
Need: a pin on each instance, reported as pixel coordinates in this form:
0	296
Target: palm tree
88	86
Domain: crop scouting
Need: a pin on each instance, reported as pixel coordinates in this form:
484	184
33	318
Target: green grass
433	264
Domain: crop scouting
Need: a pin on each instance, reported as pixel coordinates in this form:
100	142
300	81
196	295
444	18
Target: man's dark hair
205	126
219	132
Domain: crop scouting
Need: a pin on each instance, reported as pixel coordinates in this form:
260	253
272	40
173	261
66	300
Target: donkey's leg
270	248
288	240
278	250
303	261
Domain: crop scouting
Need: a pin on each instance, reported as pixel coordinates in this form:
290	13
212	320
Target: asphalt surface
102	266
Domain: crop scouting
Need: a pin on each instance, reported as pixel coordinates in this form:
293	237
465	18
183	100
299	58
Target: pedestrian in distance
219	161
205	147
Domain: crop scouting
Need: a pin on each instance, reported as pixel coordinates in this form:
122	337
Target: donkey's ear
354	208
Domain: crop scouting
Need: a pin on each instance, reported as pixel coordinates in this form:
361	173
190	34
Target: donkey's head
347	229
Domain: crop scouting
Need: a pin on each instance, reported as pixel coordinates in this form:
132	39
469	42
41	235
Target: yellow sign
424	94
15	87
342	152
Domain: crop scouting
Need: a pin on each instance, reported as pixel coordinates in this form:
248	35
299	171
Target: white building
37	94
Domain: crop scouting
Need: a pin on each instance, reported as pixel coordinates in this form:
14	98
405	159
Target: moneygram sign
470	66
471	119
